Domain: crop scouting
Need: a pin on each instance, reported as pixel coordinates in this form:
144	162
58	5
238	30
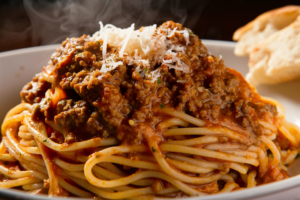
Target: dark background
40	22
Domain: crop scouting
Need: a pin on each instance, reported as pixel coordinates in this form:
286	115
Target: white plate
19	66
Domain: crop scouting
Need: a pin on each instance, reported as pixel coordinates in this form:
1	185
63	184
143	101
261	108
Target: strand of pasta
33	186
208	153
18	182
21	174
136	176
182	177
198	162
68	166
33	150
113	168
27	143
251	179
13	121
34	166
290	157
74	190
96	158
110	172
171	122
95	142
242	153
17	110
54	188
263	159
183	116
273	148
113	195
188	167
10	135
208	131
225	146
229	187
20	155
195	141
112	176
7	157
2	149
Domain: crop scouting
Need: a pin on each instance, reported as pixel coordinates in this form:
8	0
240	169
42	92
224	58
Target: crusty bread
262	27
277	58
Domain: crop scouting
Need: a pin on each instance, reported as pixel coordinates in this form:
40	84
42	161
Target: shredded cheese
142	48
110	64
126	41
155	74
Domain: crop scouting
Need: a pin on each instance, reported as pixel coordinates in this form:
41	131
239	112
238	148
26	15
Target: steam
54	21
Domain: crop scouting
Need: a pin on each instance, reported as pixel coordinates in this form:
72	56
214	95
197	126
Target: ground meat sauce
34	91
98	104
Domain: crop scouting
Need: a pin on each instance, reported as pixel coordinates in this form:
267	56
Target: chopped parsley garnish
138	35
146	69
158	81
298	156
97	156
152	149
49	99
98	43
271	156
45	140
200	101
197	194
162	106
5	162
191	33
91	69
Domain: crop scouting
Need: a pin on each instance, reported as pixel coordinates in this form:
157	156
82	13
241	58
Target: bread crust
264	18
277	58
262	27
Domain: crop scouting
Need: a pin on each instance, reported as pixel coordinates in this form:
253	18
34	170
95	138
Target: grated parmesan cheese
110	63
142	48
155	74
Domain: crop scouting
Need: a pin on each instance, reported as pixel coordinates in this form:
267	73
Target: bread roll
262	27
277	58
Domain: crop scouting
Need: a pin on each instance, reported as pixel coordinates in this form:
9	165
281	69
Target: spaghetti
142	114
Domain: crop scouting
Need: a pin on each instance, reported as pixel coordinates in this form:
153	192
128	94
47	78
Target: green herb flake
162	106
45	140
98	43
197	194
152	149
146	70
164	73
191	33
97	156
138	35
91	69
20	153
298	156
200	101
271	156
5	162
158	81
49	99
